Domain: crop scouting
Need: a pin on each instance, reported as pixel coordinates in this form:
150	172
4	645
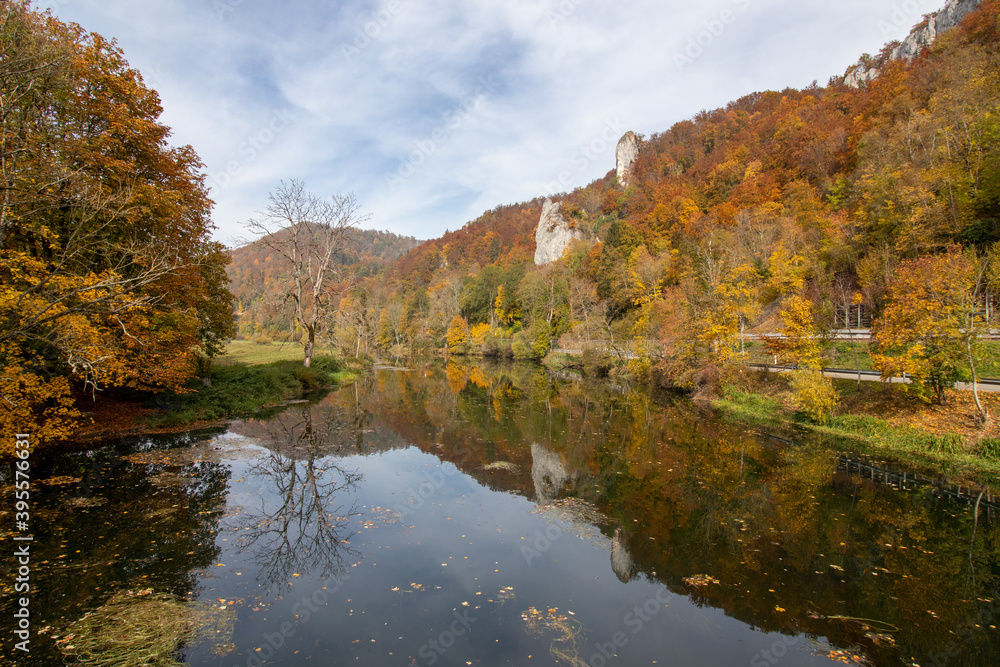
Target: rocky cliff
626	154
921	37
554	233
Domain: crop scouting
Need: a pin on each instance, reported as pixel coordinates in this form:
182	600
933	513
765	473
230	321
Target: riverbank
238	389
880	421
873	419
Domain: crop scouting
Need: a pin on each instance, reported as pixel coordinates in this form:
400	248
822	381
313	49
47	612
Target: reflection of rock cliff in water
621	559
548	474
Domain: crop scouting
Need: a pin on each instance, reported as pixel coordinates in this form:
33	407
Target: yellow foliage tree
814	395
458	335
800	341
736	303
932	328
506	309
108	276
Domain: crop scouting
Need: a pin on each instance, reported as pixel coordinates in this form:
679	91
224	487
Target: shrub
521	346
491	347
814	395
640	368
533	343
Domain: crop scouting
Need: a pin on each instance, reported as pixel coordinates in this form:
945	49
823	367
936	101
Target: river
498	515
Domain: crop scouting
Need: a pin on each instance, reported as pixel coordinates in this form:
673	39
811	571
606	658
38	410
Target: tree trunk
983	413
310	344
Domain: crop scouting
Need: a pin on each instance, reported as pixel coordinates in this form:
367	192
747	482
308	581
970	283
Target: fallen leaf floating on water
700	580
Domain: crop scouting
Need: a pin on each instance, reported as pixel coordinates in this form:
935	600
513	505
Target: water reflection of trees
689	494
301	523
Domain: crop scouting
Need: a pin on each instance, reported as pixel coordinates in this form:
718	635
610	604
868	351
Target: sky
433	111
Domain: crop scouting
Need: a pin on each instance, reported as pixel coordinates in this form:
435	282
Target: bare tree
307	232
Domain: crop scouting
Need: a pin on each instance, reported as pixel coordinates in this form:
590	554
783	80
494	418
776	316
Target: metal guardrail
850	371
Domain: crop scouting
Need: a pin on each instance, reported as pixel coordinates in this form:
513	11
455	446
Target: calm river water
479	515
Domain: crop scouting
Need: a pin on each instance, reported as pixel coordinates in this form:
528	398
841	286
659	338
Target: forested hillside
773	213
259	280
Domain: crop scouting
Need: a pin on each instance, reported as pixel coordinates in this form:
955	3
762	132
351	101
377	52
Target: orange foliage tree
108	276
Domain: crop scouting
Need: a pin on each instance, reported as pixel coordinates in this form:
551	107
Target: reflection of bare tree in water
298	527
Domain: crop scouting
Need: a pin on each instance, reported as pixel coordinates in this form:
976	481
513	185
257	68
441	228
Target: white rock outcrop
626	155
920	38
554	233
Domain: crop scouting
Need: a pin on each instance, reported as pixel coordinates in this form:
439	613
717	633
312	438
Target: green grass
247	352
871	435
241	390
751	408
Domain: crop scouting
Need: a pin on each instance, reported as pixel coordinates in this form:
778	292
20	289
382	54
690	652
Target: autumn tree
458	335
108	275
507	309
307	232
800	342
585	307
933	326
354	323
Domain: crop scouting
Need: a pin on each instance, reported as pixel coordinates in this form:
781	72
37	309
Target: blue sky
433	111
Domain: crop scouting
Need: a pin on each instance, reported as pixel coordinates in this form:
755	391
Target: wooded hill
771	214
259	280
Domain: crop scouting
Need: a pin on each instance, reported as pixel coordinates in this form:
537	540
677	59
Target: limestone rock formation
628	151
920	38
554	233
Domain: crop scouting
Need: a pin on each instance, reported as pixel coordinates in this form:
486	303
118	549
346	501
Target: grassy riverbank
878	421
246	381
253	354
871	419
240	390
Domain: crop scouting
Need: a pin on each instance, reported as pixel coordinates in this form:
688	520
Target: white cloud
356	107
